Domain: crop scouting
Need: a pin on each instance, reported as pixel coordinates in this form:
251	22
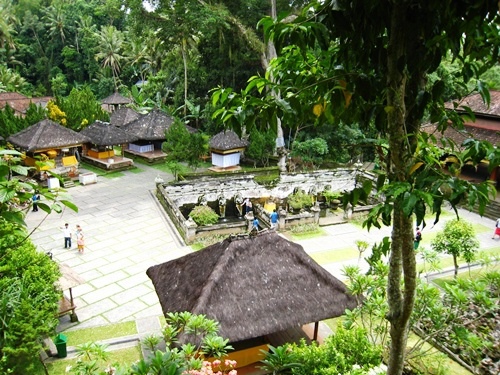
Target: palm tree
111	45
7	22
55	20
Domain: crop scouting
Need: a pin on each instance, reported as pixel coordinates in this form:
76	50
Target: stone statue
238	201
313	192
222	205
202	200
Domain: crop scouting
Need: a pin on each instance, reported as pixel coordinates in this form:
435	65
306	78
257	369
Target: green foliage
29	300
81	108
204	215
261	146
458	239
181	145
299	200
280	360
341	352
331	195
311	150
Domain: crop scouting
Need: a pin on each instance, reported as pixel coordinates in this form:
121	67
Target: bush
299	200
340	353
204	215
29	300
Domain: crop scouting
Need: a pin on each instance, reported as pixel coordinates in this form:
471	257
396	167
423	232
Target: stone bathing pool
224	194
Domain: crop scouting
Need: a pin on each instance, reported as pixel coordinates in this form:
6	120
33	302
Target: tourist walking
418	238
67	236
497	229
255	224
80	239
35	199
248	205
274	219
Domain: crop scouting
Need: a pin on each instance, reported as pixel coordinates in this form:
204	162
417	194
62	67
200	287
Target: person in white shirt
67	236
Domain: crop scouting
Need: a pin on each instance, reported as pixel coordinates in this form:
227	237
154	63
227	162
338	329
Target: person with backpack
497	229
418	238
35	199
274	217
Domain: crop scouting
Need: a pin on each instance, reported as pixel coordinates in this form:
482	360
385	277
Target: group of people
68	235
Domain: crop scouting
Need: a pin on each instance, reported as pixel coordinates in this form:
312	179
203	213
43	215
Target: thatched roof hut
104	134
150	127
123	116
46	135
114	101
253	286
227	140
226	148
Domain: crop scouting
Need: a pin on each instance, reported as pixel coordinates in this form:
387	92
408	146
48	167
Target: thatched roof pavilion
227	140
115	101
226	148
104	134
46	135
123	116
150	127
253	286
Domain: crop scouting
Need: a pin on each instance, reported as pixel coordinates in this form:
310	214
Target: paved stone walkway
127	232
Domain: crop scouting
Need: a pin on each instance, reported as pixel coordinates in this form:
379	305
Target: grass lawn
318	232
123	356
81	336
447	261
102	172
330	256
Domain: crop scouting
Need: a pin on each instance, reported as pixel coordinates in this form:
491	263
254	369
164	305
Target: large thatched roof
46	134
105	134
150	127
123	116
252	286
116	99
227	140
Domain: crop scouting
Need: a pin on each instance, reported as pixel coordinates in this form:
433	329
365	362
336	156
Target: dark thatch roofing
116	99
47	134
227	140
253	286
104	134
150	127
123	116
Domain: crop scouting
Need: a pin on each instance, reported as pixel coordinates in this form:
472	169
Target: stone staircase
492	210
67	183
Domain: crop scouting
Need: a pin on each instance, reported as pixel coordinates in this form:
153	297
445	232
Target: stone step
68	183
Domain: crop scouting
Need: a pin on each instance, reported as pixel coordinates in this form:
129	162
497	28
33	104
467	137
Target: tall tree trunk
402	259
184	61
271	54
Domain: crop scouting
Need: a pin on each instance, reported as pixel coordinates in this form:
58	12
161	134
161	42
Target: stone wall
175	195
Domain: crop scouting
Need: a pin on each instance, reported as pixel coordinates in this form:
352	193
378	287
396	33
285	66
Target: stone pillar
190	227
282	218
315	211
249	218
348	212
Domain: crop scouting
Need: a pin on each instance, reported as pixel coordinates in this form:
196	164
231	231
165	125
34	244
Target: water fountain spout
238	200
222	205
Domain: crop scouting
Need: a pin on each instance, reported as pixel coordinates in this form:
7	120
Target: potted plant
298	201
332	198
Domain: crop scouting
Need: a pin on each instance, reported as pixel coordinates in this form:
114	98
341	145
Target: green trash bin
60	343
